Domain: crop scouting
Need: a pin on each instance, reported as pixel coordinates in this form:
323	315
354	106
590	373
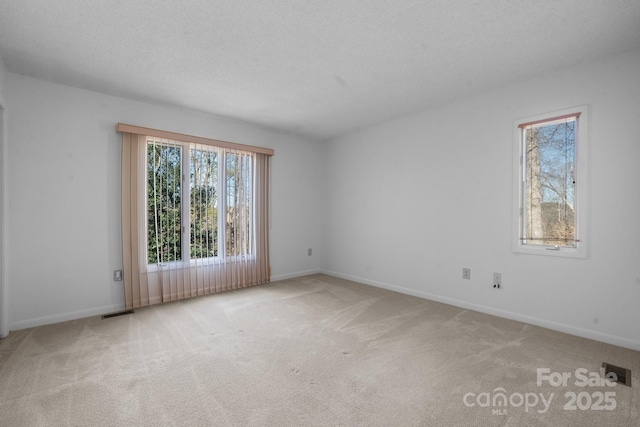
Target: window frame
581	186
185	160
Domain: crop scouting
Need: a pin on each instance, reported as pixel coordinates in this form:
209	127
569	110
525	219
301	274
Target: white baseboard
560	327
296	274
98	311
63	317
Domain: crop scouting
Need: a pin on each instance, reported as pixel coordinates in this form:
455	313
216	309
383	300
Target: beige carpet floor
316	351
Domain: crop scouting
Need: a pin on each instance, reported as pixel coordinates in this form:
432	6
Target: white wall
63	196
431	193
414	200
4	76
4	319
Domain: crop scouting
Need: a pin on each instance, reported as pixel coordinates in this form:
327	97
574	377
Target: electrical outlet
117	275
466	273
497	280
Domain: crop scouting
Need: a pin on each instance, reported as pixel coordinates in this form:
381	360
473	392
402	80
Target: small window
551	184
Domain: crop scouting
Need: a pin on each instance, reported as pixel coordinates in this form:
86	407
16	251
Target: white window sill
563	252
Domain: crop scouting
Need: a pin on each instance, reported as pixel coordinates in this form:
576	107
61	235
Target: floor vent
623	374
120	313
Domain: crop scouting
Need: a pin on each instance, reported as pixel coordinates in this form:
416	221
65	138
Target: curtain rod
122	127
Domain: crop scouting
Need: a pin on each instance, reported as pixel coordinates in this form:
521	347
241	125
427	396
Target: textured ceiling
314	68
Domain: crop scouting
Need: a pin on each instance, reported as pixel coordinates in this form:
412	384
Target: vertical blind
194	215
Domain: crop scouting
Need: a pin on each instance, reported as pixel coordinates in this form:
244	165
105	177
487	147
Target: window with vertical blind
194	215
199	202
551	184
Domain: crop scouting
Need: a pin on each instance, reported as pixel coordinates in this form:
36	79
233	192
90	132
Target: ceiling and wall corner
318	69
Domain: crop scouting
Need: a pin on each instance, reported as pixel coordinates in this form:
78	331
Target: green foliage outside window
164	216
211	192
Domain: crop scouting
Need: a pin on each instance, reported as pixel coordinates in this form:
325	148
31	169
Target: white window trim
582	175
